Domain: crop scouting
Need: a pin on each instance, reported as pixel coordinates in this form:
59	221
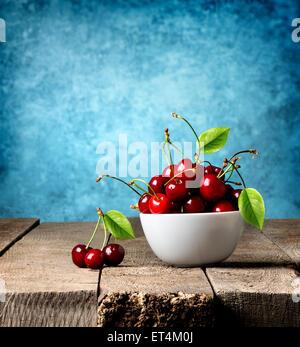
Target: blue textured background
75	73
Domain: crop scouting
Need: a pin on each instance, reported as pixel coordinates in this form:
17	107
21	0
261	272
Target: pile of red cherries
170	192
94	258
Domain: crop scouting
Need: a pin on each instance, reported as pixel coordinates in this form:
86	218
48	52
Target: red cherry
229	190
144	203
175	207
223	206
94	258
209	206
211	188
161	205
78	255
199	171
194	204
194	191
215	170
185	164
176	190
157	184
113	254
169	171
234	197
195	184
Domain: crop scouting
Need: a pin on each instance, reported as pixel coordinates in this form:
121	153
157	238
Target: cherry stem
171	161
193	130
236	183
177	149
204	161
105	234
164	151
94	233
118	179
196	157
224	172
245	151
201	162
231	172
208	162
147	184
145	191
234	155
193	169
237	171
167	140
177	116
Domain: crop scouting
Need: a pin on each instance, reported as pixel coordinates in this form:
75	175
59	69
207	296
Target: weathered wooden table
259	285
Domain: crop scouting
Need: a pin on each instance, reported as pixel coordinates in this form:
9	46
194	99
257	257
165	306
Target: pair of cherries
94	258
172	194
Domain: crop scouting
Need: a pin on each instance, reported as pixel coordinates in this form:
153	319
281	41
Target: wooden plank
254	250
49	309
13	229
155	297
254	286
44	287
257	297
144	292
285	233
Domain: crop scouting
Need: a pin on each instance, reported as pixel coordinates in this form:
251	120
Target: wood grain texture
254	286
13	229
144	292
44	287
254	250
285	233
49	309
255	297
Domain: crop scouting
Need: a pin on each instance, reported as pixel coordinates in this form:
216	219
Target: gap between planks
145	292
250	288
254	286
285	234
35	222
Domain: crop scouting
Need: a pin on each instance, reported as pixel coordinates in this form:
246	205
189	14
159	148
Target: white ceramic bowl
192	239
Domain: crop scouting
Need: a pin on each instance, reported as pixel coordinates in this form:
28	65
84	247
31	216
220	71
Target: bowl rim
193	214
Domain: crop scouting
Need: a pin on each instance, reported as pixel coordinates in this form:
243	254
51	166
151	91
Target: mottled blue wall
75	73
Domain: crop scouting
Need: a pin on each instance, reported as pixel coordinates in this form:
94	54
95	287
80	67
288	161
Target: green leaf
252	207
118	225
213	140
